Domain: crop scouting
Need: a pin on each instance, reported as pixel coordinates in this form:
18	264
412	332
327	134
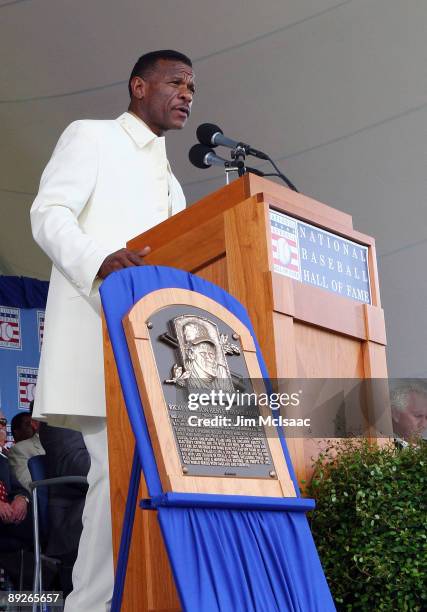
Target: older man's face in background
412	421
3	430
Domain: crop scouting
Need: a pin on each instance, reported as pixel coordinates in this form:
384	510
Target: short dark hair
147	62
16	421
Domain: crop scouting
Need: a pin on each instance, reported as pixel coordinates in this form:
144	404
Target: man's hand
124	258
6	512
19	509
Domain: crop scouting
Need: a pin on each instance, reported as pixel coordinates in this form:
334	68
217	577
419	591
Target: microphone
202	156
211	135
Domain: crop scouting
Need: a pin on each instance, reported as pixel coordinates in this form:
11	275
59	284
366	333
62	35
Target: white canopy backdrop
335	91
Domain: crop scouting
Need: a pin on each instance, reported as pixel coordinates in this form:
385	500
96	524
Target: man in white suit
106	182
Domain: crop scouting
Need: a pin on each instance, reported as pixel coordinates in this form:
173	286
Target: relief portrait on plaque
203	352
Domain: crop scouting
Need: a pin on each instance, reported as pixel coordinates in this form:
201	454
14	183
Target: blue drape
245	560
23	292
224	555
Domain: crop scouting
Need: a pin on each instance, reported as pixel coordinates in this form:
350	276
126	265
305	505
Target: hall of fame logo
285	250
10	328
27	380
40	327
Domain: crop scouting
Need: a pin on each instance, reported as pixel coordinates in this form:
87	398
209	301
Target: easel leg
128	520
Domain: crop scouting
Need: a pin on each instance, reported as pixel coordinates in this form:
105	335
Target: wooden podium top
200	225
241	189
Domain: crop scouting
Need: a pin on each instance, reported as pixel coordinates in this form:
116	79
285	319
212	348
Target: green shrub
369	525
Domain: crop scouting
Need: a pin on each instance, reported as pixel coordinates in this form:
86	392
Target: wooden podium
304	332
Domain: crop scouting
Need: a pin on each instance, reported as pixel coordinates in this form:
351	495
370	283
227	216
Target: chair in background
14	554
11	547
40	498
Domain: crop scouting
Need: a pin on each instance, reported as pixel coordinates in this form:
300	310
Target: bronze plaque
205	380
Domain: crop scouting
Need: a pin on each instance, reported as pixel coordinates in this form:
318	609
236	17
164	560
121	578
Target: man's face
25	429
3	430
163	99
205	357
412	421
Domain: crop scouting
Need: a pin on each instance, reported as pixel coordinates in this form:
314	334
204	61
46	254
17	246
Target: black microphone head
197	155
205	132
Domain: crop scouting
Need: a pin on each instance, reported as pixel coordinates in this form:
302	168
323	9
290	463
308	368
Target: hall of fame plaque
197	373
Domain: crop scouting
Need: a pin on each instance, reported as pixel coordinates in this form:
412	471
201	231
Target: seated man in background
409	410
27	445
16	530
67	456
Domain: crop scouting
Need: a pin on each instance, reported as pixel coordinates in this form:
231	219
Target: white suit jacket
107	181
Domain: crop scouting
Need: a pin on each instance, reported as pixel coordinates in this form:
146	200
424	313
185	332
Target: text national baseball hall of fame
316	257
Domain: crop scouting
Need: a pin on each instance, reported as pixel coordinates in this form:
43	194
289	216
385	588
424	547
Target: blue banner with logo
22	304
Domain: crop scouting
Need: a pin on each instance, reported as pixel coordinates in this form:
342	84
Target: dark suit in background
10	533
67	456
14	537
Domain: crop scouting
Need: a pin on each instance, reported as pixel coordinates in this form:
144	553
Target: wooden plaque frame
156	412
